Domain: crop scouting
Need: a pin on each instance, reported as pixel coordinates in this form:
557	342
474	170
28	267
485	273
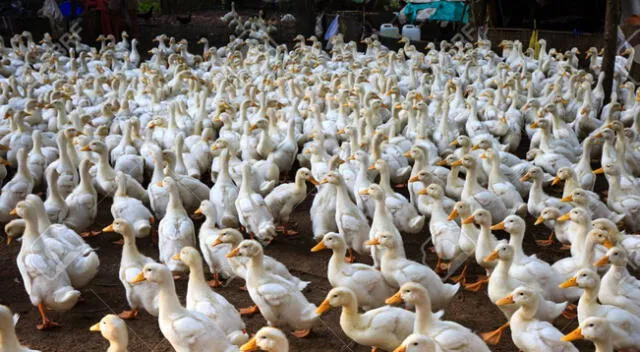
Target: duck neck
350	316
385	180
175	202
196	278
336	262
8	339
570	184
116	345
130	248
470	182
515	241
255	268
223	175
168	299
424	317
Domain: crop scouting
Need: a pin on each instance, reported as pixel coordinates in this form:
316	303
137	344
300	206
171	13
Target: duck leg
249	310
288	232
301	333
462	277
566	247
476	286
46	323
546	243
570	312
493	337
128	314
351	258
441	267
216	281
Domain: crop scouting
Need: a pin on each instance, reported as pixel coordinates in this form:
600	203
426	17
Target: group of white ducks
442	126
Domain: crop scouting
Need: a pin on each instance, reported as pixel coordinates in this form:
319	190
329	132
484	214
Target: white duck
267	339
46	285
131	209
380	328
200	298
625	326
398	270
252	210
596	330
367	283
528	333
10	342
279	300
224	193
618	287
448	335
351	221
139	296
175	230
184	329
283	199
214	256
17	189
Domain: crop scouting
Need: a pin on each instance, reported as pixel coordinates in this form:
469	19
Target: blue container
65	8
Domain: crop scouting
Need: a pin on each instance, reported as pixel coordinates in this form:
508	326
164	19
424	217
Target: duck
631	243
622	203
538	199
139	296
82	203
176	229
397	270
484	247
593	204
528	333
625	326
365	281
530	269
596	330
224	193
232	238
202	299
17	188
502	281
280	302
114	330
549	216
381	328
131	209
267	339
284	198
499	184
106	175
417	343
478	196
185	330
214	256
445	234
10	341
448	335
381	221
55	206
252	210
618	287
47	286
351	221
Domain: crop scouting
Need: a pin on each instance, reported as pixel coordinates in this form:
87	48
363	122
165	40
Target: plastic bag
51	11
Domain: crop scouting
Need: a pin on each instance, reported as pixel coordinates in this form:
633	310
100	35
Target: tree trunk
610	44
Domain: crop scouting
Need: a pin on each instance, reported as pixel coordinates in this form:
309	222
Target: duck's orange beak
539	220
505	301
574	335
492	257
373	242
318	247
108	228
569	283
395	299
602	262
139	278
250	345
555	181
469	220
233	253
323	307
453	215
498	226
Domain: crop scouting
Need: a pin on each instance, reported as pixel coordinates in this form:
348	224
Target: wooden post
610	44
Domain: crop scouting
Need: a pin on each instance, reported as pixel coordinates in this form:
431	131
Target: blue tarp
453	11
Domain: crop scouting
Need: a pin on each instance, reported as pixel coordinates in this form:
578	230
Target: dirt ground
106	295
